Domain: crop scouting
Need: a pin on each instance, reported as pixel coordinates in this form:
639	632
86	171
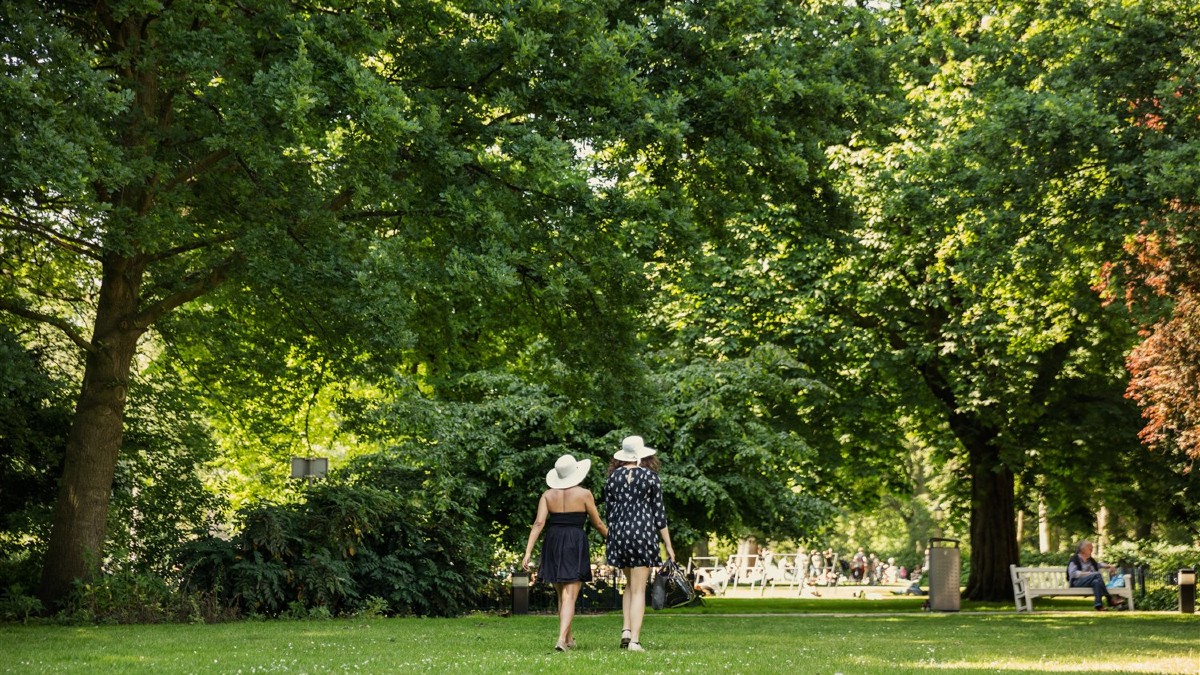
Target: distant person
816	565
563	510
858	566
633	506
1083	571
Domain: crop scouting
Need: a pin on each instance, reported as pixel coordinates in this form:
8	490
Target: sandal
625	640
636	647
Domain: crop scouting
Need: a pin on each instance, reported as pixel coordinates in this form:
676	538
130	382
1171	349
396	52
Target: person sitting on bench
1083	571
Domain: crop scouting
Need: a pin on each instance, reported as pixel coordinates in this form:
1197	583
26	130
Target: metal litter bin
520	592
1187	590
944	567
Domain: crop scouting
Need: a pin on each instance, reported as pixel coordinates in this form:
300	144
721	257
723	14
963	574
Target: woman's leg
560	591
625	598
634	601
567	595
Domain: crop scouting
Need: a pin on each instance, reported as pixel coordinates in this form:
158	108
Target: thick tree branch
367	215
38	292
1050	365
342	200
200	285
196	169
75	245
521	190
186	248
57	322
930	374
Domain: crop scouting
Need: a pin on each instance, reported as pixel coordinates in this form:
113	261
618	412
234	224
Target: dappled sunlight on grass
861	644
1099	663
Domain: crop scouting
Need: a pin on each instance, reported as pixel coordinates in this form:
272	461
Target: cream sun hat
633	449
568	472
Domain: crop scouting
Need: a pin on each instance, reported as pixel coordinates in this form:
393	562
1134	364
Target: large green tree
937	270
764	89
743	98
986	226
366	183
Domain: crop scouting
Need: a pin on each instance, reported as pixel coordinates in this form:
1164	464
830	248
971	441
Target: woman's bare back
568	500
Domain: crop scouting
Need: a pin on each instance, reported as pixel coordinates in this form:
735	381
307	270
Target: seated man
1083	571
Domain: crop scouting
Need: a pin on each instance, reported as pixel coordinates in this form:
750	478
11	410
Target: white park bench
1033	582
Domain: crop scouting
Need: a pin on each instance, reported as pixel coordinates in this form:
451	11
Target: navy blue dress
634	506
565	549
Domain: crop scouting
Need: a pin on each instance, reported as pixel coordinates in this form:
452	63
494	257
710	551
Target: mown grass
719	641
900	603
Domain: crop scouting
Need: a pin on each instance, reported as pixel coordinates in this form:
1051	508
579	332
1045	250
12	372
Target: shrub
16	606
1161	561
140	597
349	547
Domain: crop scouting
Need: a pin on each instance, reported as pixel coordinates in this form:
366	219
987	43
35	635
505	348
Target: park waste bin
1187	590
944	566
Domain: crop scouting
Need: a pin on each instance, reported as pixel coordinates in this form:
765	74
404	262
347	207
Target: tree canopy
796	245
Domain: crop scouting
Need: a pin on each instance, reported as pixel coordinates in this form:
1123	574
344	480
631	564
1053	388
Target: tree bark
81	512
993	523
1044	542
993	496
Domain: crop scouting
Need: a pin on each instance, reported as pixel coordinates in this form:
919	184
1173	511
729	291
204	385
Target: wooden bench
1033	582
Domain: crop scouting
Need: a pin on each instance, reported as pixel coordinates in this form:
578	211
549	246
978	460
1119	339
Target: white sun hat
568	472
633	450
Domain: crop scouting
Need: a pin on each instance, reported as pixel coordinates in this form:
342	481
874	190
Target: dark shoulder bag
670	587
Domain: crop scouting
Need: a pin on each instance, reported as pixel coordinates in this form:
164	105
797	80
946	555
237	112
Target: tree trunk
993	524
78	531
1020	527
1044	541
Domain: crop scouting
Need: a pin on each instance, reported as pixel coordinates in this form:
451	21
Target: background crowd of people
816	567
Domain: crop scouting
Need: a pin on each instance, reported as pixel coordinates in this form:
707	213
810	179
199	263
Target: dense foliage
827	257
33	420
375	536
344	188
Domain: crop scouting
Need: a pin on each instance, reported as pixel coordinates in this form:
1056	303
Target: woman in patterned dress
633	506
562	511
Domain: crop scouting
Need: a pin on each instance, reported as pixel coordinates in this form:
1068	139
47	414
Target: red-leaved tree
1165	367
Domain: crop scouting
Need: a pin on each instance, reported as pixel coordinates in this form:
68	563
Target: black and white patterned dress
634	507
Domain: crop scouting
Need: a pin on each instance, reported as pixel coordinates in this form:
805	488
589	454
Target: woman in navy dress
563	510
633	505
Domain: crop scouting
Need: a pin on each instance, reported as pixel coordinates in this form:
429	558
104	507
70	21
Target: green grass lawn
719	638
900	603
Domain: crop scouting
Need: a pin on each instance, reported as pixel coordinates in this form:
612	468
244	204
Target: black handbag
670	587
